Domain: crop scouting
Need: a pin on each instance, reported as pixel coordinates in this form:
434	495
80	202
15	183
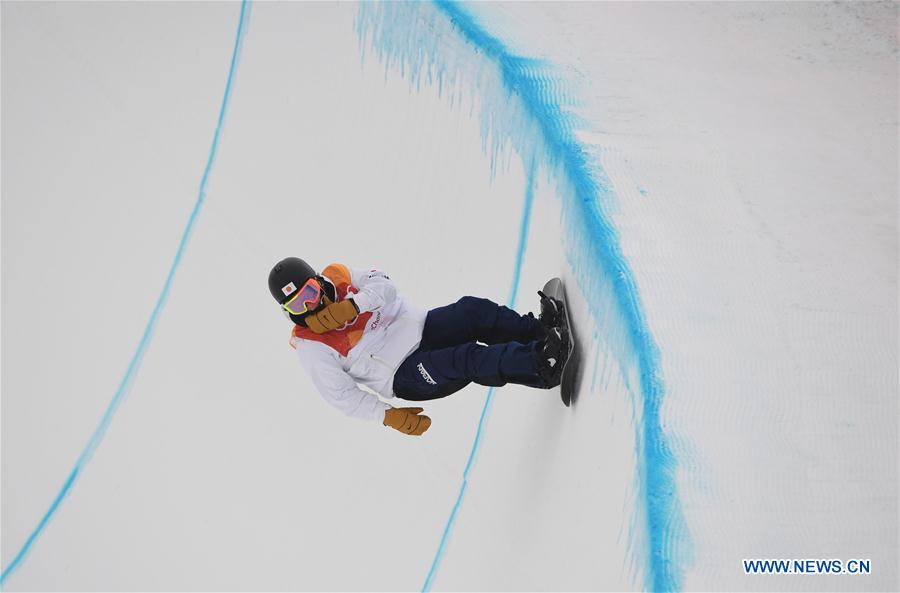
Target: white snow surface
752	154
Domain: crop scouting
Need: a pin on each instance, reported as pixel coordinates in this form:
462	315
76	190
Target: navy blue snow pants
450	355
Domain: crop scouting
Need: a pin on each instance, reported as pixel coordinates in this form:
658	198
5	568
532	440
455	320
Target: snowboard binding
559	359
552	356
551	311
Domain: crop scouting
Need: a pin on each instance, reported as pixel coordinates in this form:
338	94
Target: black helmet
288	276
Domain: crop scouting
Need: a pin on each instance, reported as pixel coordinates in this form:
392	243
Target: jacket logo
377	320
425	375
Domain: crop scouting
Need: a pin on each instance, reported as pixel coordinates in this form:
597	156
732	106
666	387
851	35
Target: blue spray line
100	431
513	293
664	522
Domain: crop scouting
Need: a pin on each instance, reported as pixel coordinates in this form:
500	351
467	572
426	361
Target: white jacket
392	332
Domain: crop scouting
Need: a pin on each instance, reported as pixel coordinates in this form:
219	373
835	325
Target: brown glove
333	316
407	420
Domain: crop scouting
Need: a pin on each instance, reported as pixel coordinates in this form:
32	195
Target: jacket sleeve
337	387
376	289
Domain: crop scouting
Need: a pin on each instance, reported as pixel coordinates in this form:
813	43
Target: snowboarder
352	327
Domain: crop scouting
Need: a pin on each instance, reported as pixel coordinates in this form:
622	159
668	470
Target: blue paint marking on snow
523	235
127	379
600	244
513	293
521	102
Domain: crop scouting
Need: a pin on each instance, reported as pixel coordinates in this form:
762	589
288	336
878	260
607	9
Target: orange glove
333	316
407	420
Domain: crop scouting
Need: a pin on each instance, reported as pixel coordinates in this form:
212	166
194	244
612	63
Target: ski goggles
304	299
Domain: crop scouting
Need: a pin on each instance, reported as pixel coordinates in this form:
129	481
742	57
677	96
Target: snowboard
569	383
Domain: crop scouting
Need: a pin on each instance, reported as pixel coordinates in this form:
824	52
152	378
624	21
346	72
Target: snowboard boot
551	311
551	356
